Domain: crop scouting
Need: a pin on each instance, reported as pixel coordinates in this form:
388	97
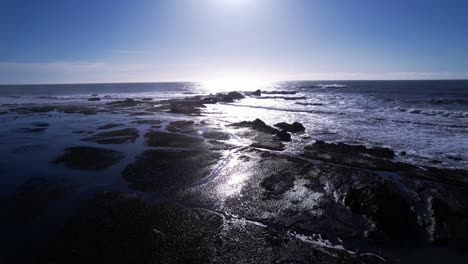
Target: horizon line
277	81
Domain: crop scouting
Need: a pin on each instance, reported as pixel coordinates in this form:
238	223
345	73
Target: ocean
427	120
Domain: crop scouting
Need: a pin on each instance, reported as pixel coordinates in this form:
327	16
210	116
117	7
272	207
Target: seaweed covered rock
89	158
166	171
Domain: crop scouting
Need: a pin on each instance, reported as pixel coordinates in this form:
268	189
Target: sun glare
233	84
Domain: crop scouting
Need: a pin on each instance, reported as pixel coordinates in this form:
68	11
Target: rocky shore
199	192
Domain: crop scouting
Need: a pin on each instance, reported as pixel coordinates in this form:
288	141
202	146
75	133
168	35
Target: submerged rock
258	125
295	127
94	99
89	158
115	137
166	171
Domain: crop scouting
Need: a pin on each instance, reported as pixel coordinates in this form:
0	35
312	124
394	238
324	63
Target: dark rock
163	139
166	171
115	137
95	95
147	99
258	125
257	93
94	99
386	207
283	135
351	149
236	95
109	126
89	158
3	112
403	153
295	127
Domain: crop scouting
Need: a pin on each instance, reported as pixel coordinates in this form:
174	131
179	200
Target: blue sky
58	41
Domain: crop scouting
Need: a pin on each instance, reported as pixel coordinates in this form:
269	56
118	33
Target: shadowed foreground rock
89	158
382	204
119	228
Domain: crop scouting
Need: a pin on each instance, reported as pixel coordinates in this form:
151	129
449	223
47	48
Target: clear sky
59	41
